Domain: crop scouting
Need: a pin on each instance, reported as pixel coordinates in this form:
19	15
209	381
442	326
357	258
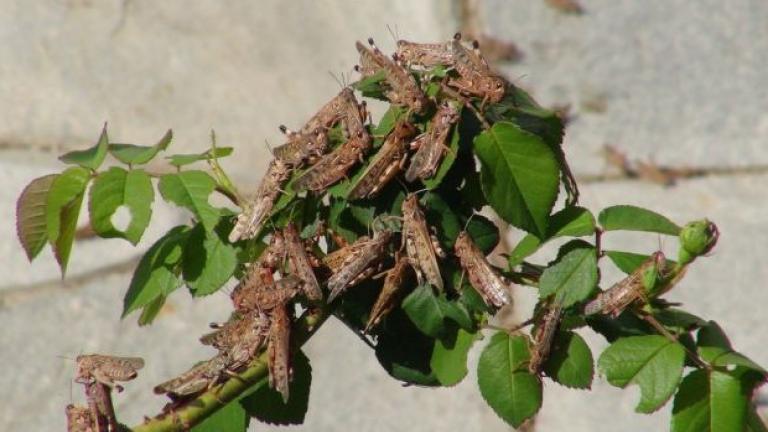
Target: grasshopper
389	295
543	336
432	144
476	78
100	405
426	55
403	88
301	148
79	419
335	165
279	351
240	338
485	279
200	377
266	297
629	290
421	247
367	252
384	166
329	114
250	221
353	117
259	273
299	264
106	369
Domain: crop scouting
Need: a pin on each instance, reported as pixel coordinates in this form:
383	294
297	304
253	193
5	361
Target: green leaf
430	312
404	351
715	402
573	277
484	233
626	261
31	226
714	347
190	189
208	261
158	271
442	217
181	160
570	362
754	422
92	157
150	311
652	362
62	210
117	187
450	156
229	418
631	218
568	222
371	86
266	404
138	155
504	380
449	357
520	176
387	122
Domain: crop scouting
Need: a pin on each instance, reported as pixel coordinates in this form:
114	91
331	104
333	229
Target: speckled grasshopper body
106	369
367	253
267	297
197	379
390	292
432	144
79	419
426	55
335	165
100	405
629	290
301	148
279	351
476	78
421	247
543	336
299	264
257	210
403	87
240	338
384	166
484	279
328	114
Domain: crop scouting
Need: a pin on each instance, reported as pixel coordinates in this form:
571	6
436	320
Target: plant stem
198	409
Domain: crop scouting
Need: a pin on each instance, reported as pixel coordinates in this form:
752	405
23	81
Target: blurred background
677	90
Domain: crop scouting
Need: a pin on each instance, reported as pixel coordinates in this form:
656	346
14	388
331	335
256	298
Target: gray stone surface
683	82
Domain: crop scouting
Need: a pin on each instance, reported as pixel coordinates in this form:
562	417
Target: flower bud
697	238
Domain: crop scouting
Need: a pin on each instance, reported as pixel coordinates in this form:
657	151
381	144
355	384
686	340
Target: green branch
198	409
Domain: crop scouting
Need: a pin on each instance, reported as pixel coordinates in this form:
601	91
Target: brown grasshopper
384	166
100	405
279	351
367	253
329	114
425	54
543	336
485	279
390	292
353	117
421	247
240	338
267	297
199	378
627	291
476	78
106	369
403	88
255	212
335	165
299	263
301	148
79	419
432	144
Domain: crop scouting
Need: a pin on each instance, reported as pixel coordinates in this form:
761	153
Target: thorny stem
198	409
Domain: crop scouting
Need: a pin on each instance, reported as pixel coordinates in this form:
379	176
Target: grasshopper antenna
269	147
340	82
393	33
469	219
